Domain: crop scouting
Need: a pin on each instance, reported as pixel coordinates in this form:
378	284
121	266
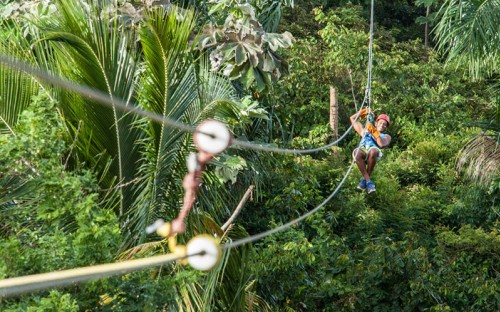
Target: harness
368	142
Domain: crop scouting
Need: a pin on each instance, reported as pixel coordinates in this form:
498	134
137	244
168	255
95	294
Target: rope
370	57
280	228
29	283
286	225
105	100
294	151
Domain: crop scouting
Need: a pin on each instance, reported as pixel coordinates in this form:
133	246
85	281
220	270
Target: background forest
81	181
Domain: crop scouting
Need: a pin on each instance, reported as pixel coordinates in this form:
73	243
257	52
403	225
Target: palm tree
140	161
17	87
468	34
175	88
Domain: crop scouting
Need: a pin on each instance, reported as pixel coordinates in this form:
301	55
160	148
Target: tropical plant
139	163
480	158
467	33
268	12
243	50
131	155
58	215
17	87
426	240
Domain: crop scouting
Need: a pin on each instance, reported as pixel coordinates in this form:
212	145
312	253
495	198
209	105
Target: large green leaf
16	87
468	33
241	45
168	88
93	50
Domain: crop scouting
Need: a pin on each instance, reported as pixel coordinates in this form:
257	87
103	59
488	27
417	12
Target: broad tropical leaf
93	51
468	33
17	87
169	88
480	157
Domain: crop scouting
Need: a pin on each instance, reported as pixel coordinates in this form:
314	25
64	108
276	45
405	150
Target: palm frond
16	87
140	250
255	302
468	33
480	158
93	50
271	15
216	95
15	188
190	299
168	87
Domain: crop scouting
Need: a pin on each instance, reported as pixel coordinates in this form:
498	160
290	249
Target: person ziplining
372	141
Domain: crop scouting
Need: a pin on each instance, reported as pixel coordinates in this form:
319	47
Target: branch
352	89
238	208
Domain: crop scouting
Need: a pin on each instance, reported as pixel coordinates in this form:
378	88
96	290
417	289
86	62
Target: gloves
372	130
362	113
366	111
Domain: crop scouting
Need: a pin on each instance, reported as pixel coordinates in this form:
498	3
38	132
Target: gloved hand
363	112
372	130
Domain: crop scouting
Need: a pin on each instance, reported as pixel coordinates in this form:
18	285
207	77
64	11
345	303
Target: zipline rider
373	140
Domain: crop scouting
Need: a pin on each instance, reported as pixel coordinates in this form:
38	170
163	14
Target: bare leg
360	161
372	160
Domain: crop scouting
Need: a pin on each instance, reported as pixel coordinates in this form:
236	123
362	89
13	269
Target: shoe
362	185
370	187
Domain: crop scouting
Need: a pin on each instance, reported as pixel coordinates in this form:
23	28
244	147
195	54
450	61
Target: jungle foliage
79	182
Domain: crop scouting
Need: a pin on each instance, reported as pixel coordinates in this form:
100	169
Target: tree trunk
426	39
334	113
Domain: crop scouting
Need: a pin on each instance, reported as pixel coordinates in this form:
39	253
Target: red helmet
384	117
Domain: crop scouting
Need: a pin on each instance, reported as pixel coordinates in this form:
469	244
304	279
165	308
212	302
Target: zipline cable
92	94
255	237
370	56
280	228
105	100
20	285
24	284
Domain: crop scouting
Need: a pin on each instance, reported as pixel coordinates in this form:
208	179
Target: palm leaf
190	299
95	52
168	88
16	87
480	157
216	96
14	189
468	33
140	250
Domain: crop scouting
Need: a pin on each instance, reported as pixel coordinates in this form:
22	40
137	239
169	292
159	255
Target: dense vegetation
80	181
